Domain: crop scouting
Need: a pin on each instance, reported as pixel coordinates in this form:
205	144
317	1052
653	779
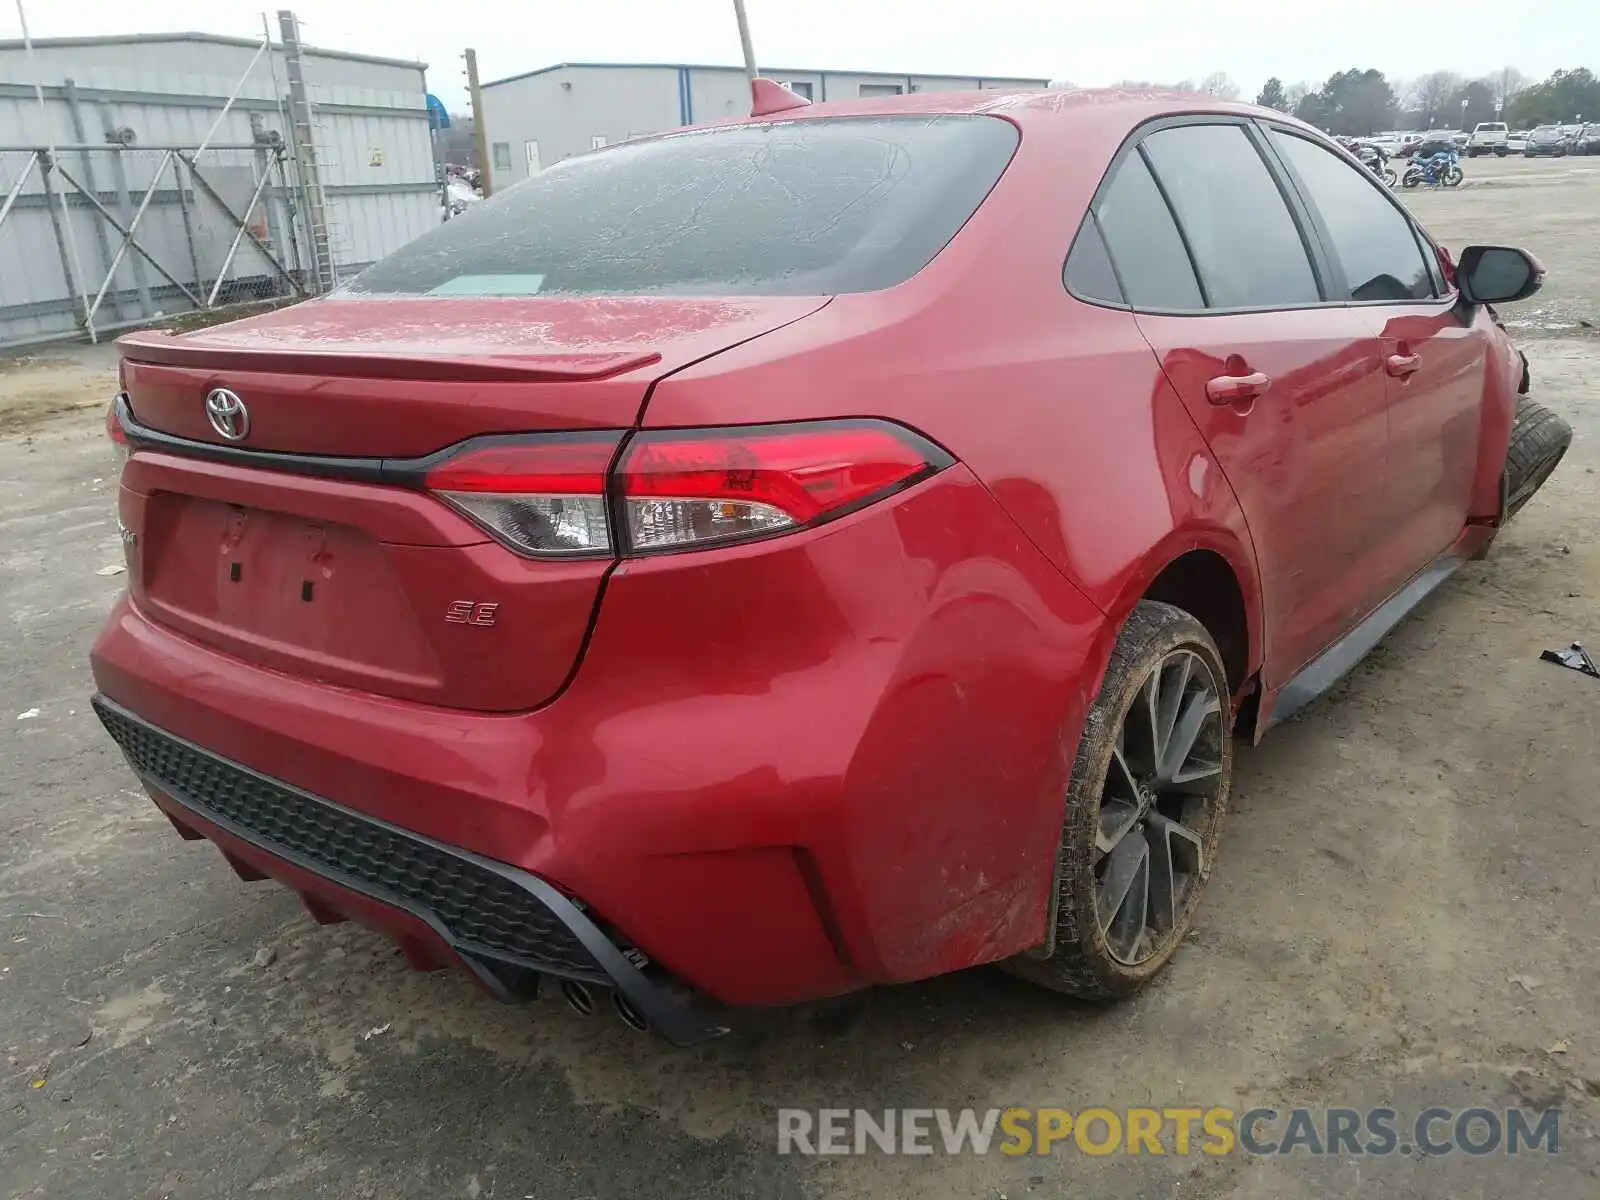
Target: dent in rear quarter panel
894	698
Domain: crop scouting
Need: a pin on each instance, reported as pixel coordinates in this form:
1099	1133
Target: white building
543	116
130	97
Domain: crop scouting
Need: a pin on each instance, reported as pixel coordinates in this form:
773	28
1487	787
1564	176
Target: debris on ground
265	957
1574	658
29	715
111	569
376	1030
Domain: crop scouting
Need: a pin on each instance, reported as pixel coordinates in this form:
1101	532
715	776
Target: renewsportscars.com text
1376	1132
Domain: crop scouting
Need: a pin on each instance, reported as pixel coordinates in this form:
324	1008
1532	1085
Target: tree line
1357	102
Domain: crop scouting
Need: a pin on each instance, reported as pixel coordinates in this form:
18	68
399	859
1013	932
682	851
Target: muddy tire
1539	438
1144	809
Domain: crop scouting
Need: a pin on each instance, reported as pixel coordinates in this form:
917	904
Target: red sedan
839	547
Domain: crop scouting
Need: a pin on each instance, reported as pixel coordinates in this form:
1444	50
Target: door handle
1401	365
1234	389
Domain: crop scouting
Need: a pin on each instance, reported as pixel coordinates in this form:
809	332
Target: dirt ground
1406	912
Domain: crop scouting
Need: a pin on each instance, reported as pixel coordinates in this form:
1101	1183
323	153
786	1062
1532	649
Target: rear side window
811	207
1372	239
1144	243
1089	272
1246	245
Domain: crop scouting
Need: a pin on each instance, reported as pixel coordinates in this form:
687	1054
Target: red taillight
542	496
684	488
115	431
547	495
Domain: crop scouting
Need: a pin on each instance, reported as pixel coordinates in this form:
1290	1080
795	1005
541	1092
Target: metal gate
135	215
134	232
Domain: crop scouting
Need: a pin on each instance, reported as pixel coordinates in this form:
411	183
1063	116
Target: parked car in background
1394	141
1427	145
1587	141
1546	140
1517	141
1488	137
638	588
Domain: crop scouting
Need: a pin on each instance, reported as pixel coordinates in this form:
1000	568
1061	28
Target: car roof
1041	106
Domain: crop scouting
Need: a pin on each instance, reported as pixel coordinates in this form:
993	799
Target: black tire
1453	177
1175	824
1411	178
1539	439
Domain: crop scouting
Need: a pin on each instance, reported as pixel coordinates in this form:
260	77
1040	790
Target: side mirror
1498	274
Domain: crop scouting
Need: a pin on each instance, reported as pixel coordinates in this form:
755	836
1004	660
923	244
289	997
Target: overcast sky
1089	43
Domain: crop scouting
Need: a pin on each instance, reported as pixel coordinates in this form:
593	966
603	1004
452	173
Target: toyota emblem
228	415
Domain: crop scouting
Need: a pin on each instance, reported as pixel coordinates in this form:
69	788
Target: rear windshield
809	207
1491	127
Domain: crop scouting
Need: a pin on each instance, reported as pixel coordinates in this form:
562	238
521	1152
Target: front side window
798	207
1245	243
1372	239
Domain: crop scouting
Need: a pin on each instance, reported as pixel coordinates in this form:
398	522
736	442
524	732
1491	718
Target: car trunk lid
350	579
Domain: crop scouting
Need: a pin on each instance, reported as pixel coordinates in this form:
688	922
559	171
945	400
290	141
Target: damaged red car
757	562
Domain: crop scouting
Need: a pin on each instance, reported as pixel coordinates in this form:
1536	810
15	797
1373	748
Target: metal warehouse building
541	117
243	172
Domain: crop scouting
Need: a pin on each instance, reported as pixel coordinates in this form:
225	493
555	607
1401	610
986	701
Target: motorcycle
1376	161
1437	170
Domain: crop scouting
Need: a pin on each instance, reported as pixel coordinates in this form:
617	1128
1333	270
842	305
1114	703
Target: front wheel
1389	178
1144	808
1539	440
1453	177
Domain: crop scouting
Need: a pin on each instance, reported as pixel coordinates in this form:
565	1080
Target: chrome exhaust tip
578	997
631	1016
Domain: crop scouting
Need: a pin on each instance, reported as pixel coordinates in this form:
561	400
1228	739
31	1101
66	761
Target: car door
1434	362
1287	389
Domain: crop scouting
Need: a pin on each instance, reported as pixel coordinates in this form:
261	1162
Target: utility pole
744	40
480	134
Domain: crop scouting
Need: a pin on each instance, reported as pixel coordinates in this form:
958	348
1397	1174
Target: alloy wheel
1158	807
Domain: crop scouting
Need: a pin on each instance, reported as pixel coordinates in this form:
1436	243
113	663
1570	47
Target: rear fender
1234	550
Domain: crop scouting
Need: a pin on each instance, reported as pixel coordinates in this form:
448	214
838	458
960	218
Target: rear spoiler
171	350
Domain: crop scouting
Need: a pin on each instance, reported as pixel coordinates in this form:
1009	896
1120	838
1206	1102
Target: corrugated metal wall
373	145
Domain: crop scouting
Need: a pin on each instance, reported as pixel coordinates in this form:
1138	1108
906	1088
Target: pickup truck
1488	137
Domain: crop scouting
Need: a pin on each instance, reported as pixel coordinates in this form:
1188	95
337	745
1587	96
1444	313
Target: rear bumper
782	771
505	927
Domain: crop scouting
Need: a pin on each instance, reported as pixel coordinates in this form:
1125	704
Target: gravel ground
1406	912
